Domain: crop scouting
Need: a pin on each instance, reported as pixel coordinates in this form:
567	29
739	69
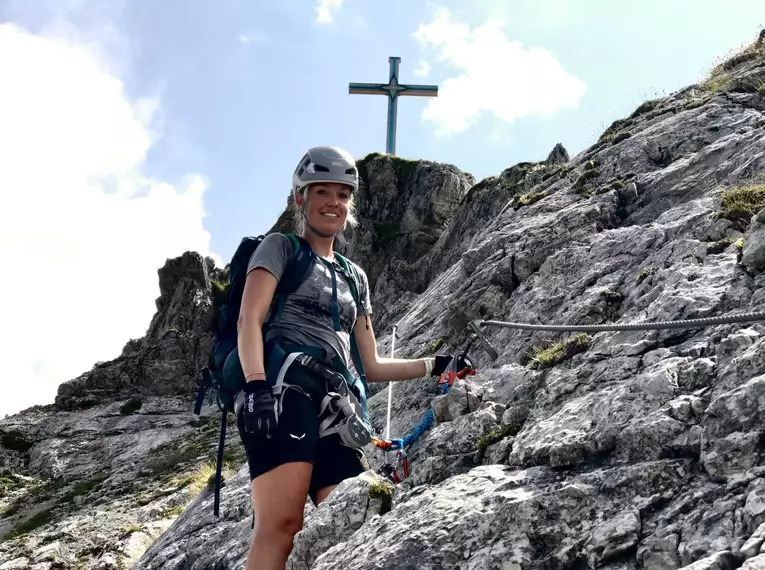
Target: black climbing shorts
296	439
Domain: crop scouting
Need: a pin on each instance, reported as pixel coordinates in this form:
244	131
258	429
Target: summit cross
392	89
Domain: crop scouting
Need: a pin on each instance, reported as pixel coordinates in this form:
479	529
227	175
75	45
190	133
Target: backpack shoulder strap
354	284
295	241
350	271
294	273
298	266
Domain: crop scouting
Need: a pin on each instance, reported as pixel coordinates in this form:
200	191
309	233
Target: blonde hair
350	219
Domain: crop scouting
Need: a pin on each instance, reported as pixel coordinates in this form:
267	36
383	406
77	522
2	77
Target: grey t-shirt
307	314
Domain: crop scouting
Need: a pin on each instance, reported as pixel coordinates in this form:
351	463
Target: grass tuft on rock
9	484
644	273
494	436
528	199
560	351
384	492
715	247
723	74
30	524
739	204
613	129
132	405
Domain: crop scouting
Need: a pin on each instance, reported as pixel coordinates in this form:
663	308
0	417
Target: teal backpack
226	387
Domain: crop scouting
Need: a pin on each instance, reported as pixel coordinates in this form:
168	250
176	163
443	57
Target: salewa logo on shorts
296	437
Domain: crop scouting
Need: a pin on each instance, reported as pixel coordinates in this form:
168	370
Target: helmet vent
320	168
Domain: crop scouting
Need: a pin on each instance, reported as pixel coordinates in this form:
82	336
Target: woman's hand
380	369
442	362
259	414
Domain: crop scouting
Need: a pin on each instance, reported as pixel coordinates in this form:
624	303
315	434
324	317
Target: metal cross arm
387	88
392	89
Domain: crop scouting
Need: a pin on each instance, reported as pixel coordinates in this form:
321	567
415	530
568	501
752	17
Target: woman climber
289	452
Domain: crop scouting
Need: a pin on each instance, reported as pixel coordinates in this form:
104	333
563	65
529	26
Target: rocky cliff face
635	449
92	480
403	208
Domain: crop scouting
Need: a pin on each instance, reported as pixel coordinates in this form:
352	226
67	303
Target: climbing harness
340	410
445	382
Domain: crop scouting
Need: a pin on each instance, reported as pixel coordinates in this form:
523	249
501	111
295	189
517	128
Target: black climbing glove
259	414
443	360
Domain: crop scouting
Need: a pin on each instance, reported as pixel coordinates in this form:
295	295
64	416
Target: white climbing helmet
325	164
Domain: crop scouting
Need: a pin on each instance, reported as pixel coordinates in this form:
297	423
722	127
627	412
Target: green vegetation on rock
646	107
719	246
33	522
81	488
219	292
494	436
132	405
9	483
739	204
559	351
433	347
644	273
382	491
615	127
580	186
528	199
720	76
405	169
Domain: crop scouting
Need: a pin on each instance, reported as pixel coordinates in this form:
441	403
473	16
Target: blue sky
140	130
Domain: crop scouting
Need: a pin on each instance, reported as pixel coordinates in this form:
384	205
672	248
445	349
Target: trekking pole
390	384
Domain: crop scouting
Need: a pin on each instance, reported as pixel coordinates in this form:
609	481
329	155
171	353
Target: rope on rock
445	383
448	378
651	325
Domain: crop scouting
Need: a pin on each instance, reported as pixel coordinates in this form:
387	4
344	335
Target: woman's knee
279	528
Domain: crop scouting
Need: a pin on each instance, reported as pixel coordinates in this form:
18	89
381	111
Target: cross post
392	89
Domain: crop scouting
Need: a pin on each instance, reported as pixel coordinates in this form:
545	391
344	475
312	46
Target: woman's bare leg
278	497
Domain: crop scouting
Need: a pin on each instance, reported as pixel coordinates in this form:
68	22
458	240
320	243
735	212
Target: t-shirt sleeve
273	254
364	295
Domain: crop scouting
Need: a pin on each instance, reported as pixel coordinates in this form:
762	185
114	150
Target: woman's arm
264	270
381	369
258	292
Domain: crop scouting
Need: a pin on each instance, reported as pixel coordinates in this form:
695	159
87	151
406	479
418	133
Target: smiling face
326	206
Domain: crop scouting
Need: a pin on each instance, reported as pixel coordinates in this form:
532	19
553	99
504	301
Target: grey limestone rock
611	450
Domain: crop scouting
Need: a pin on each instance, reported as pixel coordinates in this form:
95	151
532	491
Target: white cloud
496	76
537	15
251	38
324	9
423	69
82	229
